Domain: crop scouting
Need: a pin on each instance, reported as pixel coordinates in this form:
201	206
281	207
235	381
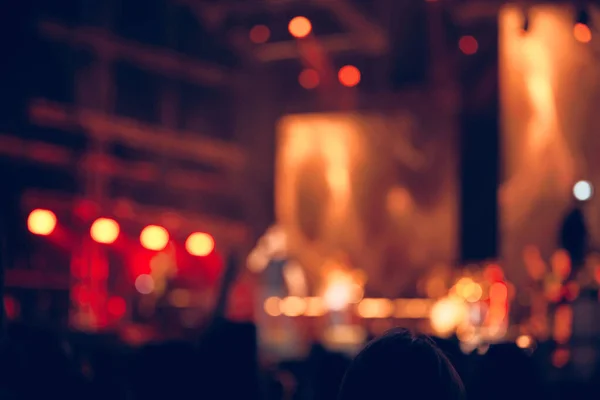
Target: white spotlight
583	190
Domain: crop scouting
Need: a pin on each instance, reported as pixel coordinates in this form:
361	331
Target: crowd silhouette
224	364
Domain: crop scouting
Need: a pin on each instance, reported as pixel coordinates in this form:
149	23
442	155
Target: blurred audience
36	364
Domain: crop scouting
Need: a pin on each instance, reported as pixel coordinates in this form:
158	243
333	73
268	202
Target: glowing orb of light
447	314
105	230
154	237
200	244
41	222
583	190
144	284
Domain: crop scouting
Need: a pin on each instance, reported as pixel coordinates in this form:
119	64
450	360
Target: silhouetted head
401	365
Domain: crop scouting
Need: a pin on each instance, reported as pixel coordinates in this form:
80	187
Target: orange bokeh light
582	33
309	78
154	237
349	76
105	230
260	34
200	244
300	27
41	222
498	292
468	45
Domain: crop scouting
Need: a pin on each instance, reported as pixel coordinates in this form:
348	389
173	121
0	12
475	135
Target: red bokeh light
116	306
11	307
260	34
309	79
80	294
349	76
468	45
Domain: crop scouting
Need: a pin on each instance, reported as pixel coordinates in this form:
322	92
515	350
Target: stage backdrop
378	191
550	92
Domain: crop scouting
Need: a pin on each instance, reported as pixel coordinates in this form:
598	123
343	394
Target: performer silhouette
574	236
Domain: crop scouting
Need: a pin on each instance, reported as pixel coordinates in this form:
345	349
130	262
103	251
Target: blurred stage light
41	222
272	306
583	190
446	314
154	237
300	27
524	342
200	244
582	33
116	306
468	45
309	78
105	230
349	76
260	34
144	284
292	306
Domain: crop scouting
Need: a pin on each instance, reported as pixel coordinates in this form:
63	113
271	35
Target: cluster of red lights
106	231
300	27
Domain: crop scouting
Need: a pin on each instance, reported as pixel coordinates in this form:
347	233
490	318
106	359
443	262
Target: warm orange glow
154	237
524	341
498	293
315	307
309	79
295	279
292	306
582	33
200	244
468	45
534	263
412	308
446	314
260	34
105	230
561	264
375	308
300	27
498	303
493	273
349	76
272	306
473	292
563	323
41	222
